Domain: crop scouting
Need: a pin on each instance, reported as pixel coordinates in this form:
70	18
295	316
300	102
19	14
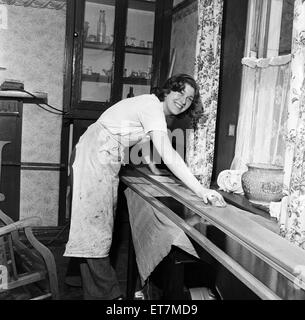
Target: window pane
286	27
138	47
98	50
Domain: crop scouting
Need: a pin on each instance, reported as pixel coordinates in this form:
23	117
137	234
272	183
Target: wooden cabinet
11	112
130	51
10	155
112	47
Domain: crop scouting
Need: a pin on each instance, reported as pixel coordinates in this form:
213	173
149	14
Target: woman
98	158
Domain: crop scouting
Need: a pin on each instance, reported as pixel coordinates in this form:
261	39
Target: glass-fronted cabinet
97	51
114	50
138	48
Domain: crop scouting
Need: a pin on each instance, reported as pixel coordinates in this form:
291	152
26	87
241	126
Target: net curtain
263	112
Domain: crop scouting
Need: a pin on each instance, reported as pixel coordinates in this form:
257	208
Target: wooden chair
26	264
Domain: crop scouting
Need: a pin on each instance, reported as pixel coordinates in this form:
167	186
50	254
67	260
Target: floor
70	281
70	287
68	274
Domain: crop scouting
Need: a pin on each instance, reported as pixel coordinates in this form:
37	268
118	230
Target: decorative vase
263	183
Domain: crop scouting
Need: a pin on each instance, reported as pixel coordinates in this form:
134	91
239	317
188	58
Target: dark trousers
99	280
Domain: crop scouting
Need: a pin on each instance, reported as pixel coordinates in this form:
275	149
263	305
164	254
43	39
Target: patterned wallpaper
48	4
32	50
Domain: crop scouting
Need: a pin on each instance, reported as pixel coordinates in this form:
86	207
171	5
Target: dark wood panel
136	81
233	42
133	4
138	50
10	131
10	187
98	46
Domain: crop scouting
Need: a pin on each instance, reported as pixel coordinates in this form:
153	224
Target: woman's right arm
178	167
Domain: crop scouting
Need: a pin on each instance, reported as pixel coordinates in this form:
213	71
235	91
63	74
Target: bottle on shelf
101	27
130	93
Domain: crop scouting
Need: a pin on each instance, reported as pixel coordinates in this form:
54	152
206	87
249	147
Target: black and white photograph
152	153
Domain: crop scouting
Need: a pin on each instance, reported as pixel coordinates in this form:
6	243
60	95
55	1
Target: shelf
98	46
138	50
40	97
133	4
127	80
136	81
96	77
103	2
107	47
142	5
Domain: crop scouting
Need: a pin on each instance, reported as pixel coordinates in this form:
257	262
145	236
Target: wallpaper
32	50
39	193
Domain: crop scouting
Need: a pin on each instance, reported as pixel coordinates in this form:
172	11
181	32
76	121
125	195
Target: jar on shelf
86	30
101	27
130	93
91	38
133	41
134	74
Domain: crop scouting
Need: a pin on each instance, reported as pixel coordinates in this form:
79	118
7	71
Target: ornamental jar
263	183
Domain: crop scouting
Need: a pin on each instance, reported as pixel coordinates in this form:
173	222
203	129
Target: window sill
259	215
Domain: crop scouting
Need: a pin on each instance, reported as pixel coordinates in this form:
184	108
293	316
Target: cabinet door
94	54
139	43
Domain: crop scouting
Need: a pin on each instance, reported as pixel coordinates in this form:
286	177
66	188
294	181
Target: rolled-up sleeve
152	117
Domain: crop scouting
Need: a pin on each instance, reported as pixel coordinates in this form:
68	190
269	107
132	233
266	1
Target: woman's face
177	102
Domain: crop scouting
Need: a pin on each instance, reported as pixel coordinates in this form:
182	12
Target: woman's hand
212	196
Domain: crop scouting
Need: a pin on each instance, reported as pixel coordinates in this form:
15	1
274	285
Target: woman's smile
177	102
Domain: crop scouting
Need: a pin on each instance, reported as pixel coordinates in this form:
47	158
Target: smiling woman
98	158
177	102
179	92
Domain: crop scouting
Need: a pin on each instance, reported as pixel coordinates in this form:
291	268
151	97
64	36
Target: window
264	97
269	30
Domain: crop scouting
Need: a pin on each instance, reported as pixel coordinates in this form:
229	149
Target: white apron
94	198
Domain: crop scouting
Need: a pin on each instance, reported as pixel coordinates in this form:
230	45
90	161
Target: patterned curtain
292	222
200	142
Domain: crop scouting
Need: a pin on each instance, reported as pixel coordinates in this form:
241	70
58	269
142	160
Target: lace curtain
263	112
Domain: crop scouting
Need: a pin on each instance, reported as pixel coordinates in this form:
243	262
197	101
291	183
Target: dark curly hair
177	83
